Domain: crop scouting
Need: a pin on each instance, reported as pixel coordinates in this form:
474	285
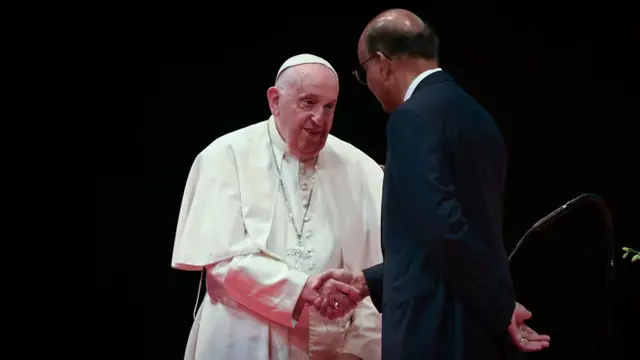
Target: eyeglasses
360	73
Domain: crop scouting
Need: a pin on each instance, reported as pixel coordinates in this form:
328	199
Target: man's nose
318	117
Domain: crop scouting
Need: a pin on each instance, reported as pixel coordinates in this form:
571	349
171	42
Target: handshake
335	292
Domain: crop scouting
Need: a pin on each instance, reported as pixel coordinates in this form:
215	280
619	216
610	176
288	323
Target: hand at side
525	338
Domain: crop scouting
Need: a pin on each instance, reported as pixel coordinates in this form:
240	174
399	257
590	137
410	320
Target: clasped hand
335	293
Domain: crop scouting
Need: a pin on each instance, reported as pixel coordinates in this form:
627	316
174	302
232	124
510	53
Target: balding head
394	48
397	18
399	33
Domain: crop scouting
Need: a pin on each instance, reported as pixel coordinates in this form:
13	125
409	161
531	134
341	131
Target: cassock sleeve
211	234
363	337
265	285
434	212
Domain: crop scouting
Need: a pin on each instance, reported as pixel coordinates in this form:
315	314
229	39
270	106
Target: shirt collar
417	80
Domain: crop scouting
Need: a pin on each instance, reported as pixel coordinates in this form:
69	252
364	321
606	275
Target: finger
348	290
318	302
330	313
325	302
340	314
531	348
537	337
341	301
320	305
342	311
524	345
312	298
324	312
532	335
540	344
321	279
527	329
524	331
337	302
535	346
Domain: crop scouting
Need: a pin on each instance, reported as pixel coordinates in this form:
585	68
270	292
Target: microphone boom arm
606	214
553	216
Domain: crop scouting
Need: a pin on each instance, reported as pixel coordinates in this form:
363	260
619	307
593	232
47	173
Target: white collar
417	80
276	139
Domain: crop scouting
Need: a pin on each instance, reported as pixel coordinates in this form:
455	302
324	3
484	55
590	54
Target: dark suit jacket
444	288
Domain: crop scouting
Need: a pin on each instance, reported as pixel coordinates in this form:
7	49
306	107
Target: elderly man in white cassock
268	207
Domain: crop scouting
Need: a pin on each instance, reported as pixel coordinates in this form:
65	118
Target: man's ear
273	96
384	65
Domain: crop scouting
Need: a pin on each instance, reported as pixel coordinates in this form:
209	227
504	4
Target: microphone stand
610	239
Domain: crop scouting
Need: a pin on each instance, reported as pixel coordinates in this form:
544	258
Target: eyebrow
312	95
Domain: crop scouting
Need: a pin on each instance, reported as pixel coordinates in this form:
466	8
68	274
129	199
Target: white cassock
234	221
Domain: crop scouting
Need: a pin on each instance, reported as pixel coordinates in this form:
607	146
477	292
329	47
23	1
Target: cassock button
307	218
307	235
305	203
304	187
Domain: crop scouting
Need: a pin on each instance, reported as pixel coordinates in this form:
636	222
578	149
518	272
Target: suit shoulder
441	103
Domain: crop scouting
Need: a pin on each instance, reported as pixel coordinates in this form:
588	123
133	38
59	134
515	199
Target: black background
122	99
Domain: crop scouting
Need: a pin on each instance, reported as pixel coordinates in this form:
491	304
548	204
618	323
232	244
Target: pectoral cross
301	253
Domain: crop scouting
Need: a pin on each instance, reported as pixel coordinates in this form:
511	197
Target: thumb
309	294
320	279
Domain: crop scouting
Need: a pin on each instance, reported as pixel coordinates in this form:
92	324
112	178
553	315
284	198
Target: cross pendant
301	253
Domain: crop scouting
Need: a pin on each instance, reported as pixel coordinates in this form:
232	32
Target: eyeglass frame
361	67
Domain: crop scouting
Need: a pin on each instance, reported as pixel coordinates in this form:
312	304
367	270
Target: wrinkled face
378	77
303	104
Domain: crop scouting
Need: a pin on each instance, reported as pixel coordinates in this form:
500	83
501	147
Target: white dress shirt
416	81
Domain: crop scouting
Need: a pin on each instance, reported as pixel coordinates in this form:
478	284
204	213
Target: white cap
304	59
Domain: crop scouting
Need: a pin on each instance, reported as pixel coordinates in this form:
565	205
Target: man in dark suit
444	289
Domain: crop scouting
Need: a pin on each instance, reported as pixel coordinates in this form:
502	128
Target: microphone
557	213
610	290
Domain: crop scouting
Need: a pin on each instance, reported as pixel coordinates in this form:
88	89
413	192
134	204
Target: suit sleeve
417	147
373	277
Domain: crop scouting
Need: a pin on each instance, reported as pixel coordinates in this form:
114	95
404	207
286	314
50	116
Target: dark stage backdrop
124	99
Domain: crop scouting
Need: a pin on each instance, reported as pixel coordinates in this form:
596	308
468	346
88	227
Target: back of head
401	34
395	47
